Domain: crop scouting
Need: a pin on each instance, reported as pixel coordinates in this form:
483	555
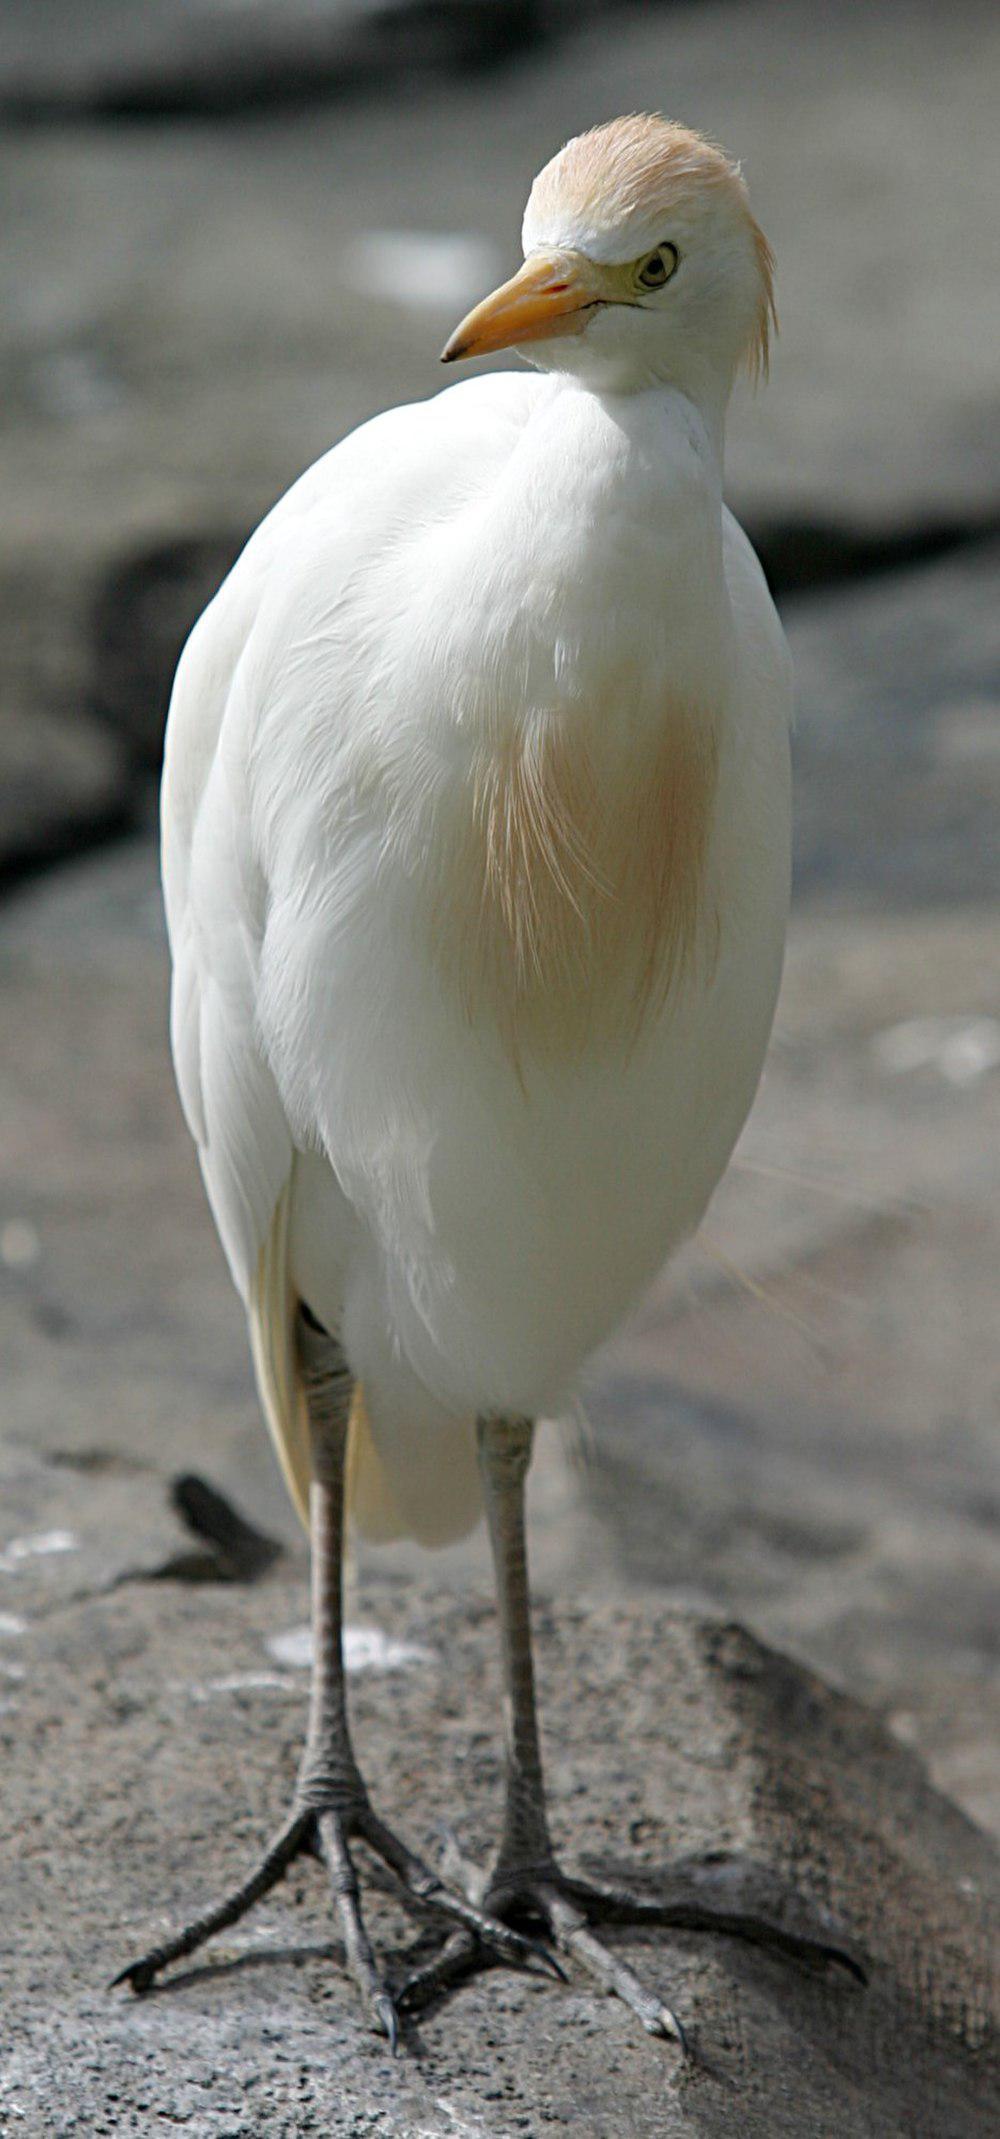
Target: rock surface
220	304
149	1733
897	744
63	783
134	57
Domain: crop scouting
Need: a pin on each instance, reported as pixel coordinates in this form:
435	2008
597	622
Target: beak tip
451	351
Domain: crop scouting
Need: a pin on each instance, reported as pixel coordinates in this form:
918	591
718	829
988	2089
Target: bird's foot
567	1909
325	1828
719	1894
542	1894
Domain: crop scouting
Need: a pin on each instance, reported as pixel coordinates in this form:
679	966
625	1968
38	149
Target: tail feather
371	1501
432	1492
271	1313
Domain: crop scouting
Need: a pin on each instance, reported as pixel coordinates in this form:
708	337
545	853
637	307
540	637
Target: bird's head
642	263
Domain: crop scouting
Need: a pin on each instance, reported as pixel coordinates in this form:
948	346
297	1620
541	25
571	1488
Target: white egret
476	861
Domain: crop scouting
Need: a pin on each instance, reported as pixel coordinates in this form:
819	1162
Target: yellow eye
657	268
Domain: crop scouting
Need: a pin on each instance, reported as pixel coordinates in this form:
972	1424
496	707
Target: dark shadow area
227	65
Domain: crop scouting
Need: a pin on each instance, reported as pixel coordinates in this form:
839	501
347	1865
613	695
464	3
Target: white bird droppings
961	1049
31	1548
365	1649
294	1648
12	1625
240	1682
20	1246
368	1649
422	270
461	2125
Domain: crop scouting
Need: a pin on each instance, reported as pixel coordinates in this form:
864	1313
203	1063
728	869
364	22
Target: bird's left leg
526	1876
526	1880
331	1807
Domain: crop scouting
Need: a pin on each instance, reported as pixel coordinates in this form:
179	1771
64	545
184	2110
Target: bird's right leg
331	1806
528	1880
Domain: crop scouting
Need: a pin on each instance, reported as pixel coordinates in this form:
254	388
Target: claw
386	2021
137	1974
667	2024
548	1962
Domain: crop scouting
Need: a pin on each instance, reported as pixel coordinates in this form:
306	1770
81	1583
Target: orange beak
548	295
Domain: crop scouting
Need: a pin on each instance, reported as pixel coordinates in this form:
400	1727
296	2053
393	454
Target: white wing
213	904
334	520
214	901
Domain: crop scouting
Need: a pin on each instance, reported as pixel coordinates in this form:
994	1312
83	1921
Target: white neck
613	375
611	505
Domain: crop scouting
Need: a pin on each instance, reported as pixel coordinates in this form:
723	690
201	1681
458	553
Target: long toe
572	1935
358	1950
288	1843
544	1897
721	1895
731	1896
461	1955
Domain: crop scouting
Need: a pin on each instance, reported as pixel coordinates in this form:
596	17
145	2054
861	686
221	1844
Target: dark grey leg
331	1805
526	1872
526	1877
525	1845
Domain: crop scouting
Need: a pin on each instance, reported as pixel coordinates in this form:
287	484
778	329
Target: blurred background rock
232	229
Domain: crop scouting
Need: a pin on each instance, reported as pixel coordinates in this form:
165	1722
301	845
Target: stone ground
798	1433
723	1746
